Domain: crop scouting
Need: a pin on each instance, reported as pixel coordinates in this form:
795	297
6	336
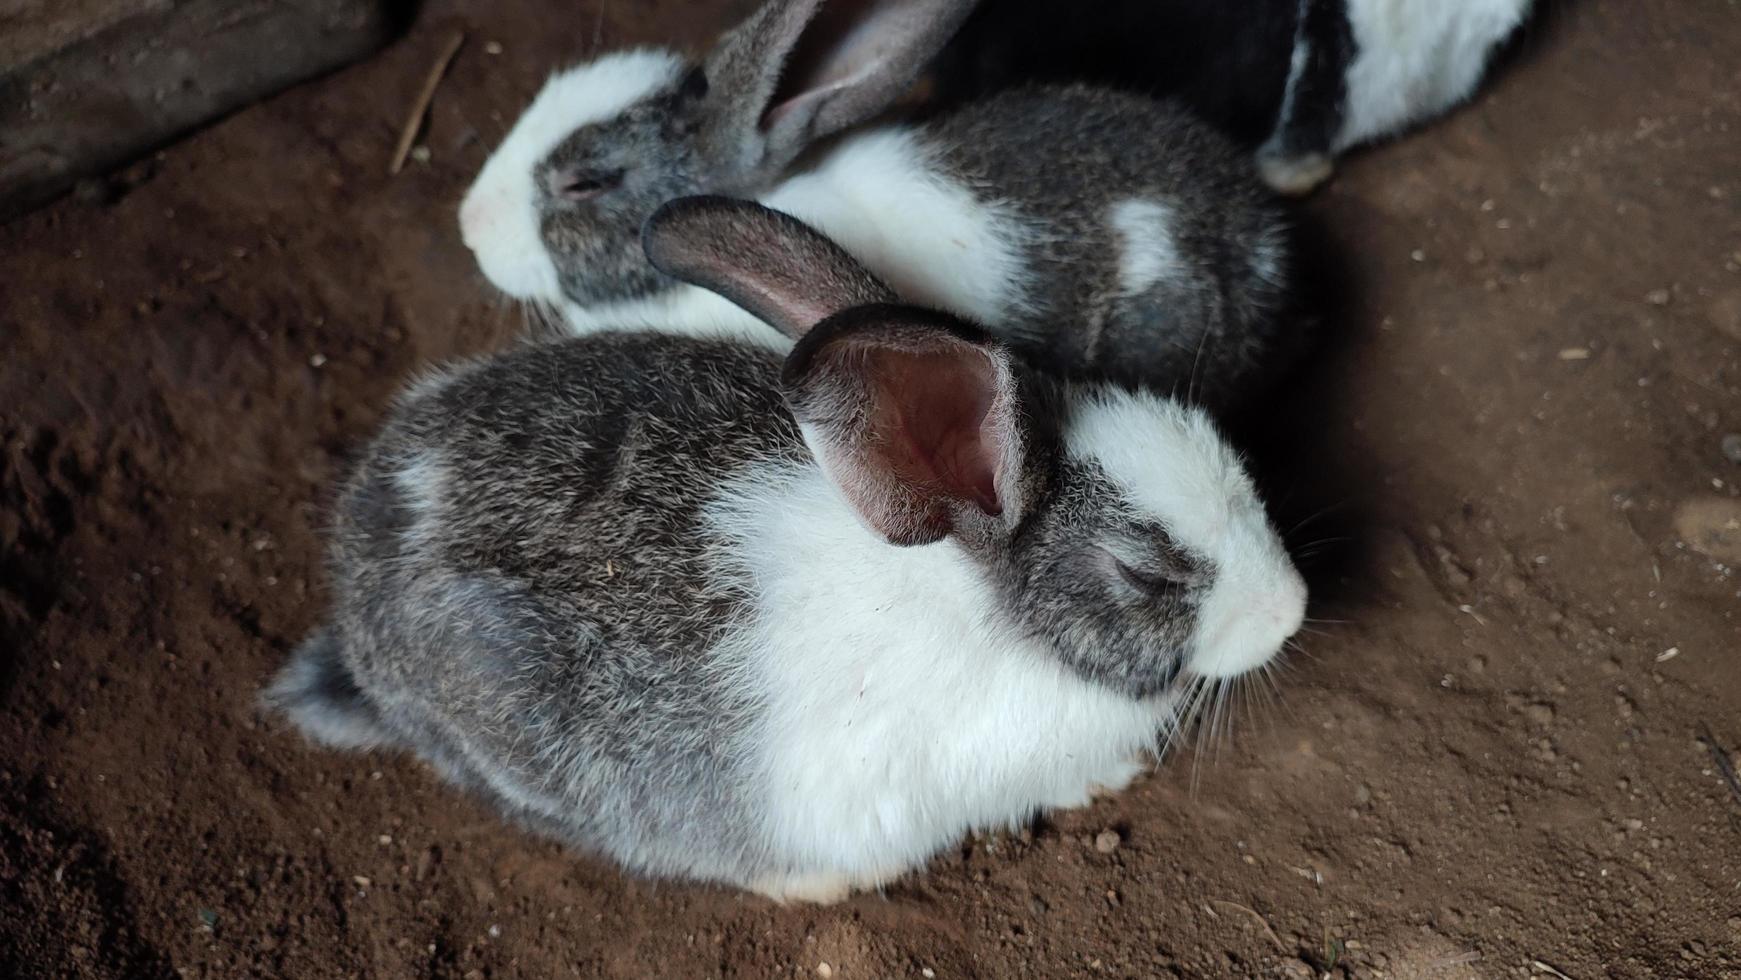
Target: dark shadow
1228	61
89	919
1298	439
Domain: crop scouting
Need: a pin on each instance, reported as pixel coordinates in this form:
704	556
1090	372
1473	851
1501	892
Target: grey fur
317	691
1216	326
1056	158
529	594
796	71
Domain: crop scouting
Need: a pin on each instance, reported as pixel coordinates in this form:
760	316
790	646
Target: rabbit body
1149	257
602	582
1104	234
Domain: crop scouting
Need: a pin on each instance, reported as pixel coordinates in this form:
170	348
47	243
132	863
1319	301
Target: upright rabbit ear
799	70
779	269
914	417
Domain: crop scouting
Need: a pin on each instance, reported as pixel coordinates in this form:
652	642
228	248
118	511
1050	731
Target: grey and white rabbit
790	623
1301	81
1107	234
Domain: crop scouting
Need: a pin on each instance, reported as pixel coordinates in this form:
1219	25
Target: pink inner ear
842	45
937	423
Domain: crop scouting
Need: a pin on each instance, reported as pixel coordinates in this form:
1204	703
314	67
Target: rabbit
789	623
1105	234
1300	81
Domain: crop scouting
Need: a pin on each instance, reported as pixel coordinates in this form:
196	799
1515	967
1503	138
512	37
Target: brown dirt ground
1492	761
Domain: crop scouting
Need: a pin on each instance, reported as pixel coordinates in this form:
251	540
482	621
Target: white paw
815	889
1295	176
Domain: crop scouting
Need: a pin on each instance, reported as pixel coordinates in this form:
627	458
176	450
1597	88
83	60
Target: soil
1501	753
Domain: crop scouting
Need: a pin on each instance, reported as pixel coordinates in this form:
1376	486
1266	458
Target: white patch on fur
884	198
1298	58
1269	257
685	310
1418	58
420	479
499	217
1149	255
422	483
898	711
1173	466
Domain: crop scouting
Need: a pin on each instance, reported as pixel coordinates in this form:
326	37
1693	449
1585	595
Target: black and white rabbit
1106	234
790	623
1302	81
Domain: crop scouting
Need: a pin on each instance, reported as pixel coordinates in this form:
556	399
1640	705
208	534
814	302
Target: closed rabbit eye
1155	579
1164	573
584	185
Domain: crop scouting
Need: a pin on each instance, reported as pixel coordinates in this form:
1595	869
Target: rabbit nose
471	217
1288	607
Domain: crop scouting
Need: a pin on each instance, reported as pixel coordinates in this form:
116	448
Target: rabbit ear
914	417
776	267
799	70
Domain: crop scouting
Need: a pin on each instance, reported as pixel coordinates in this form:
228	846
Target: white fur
1418	58
1299	56
1149	255
897	714
1173	466
498	218
1269	257
421	480
688	310
885	200
899	710
881	197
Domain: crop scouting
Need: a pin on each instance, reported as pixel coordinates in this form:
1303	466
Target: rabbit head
1118	527
556	212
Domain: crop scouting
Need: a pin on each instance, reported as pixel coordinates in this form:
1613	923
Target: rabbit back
1154	256
638	617
520	575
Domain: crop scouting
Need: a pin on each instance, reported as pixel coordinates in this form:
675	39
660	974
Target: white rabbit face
1155	556
1174	469
524	195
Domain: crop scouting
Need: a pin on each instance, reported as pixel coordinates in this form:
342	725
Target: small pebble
824	970
1107	841
1657	297
420	154
1575	354
316	360
361	881
1732	447
492	47
1711	526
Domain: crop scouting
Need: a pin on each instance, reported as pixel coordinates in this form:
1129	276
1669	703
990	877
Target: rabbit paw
1295	176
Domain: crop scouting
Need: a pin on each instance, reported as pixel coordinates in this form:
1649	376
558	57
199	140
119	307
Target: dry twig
1271	933
414	121
1720	758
